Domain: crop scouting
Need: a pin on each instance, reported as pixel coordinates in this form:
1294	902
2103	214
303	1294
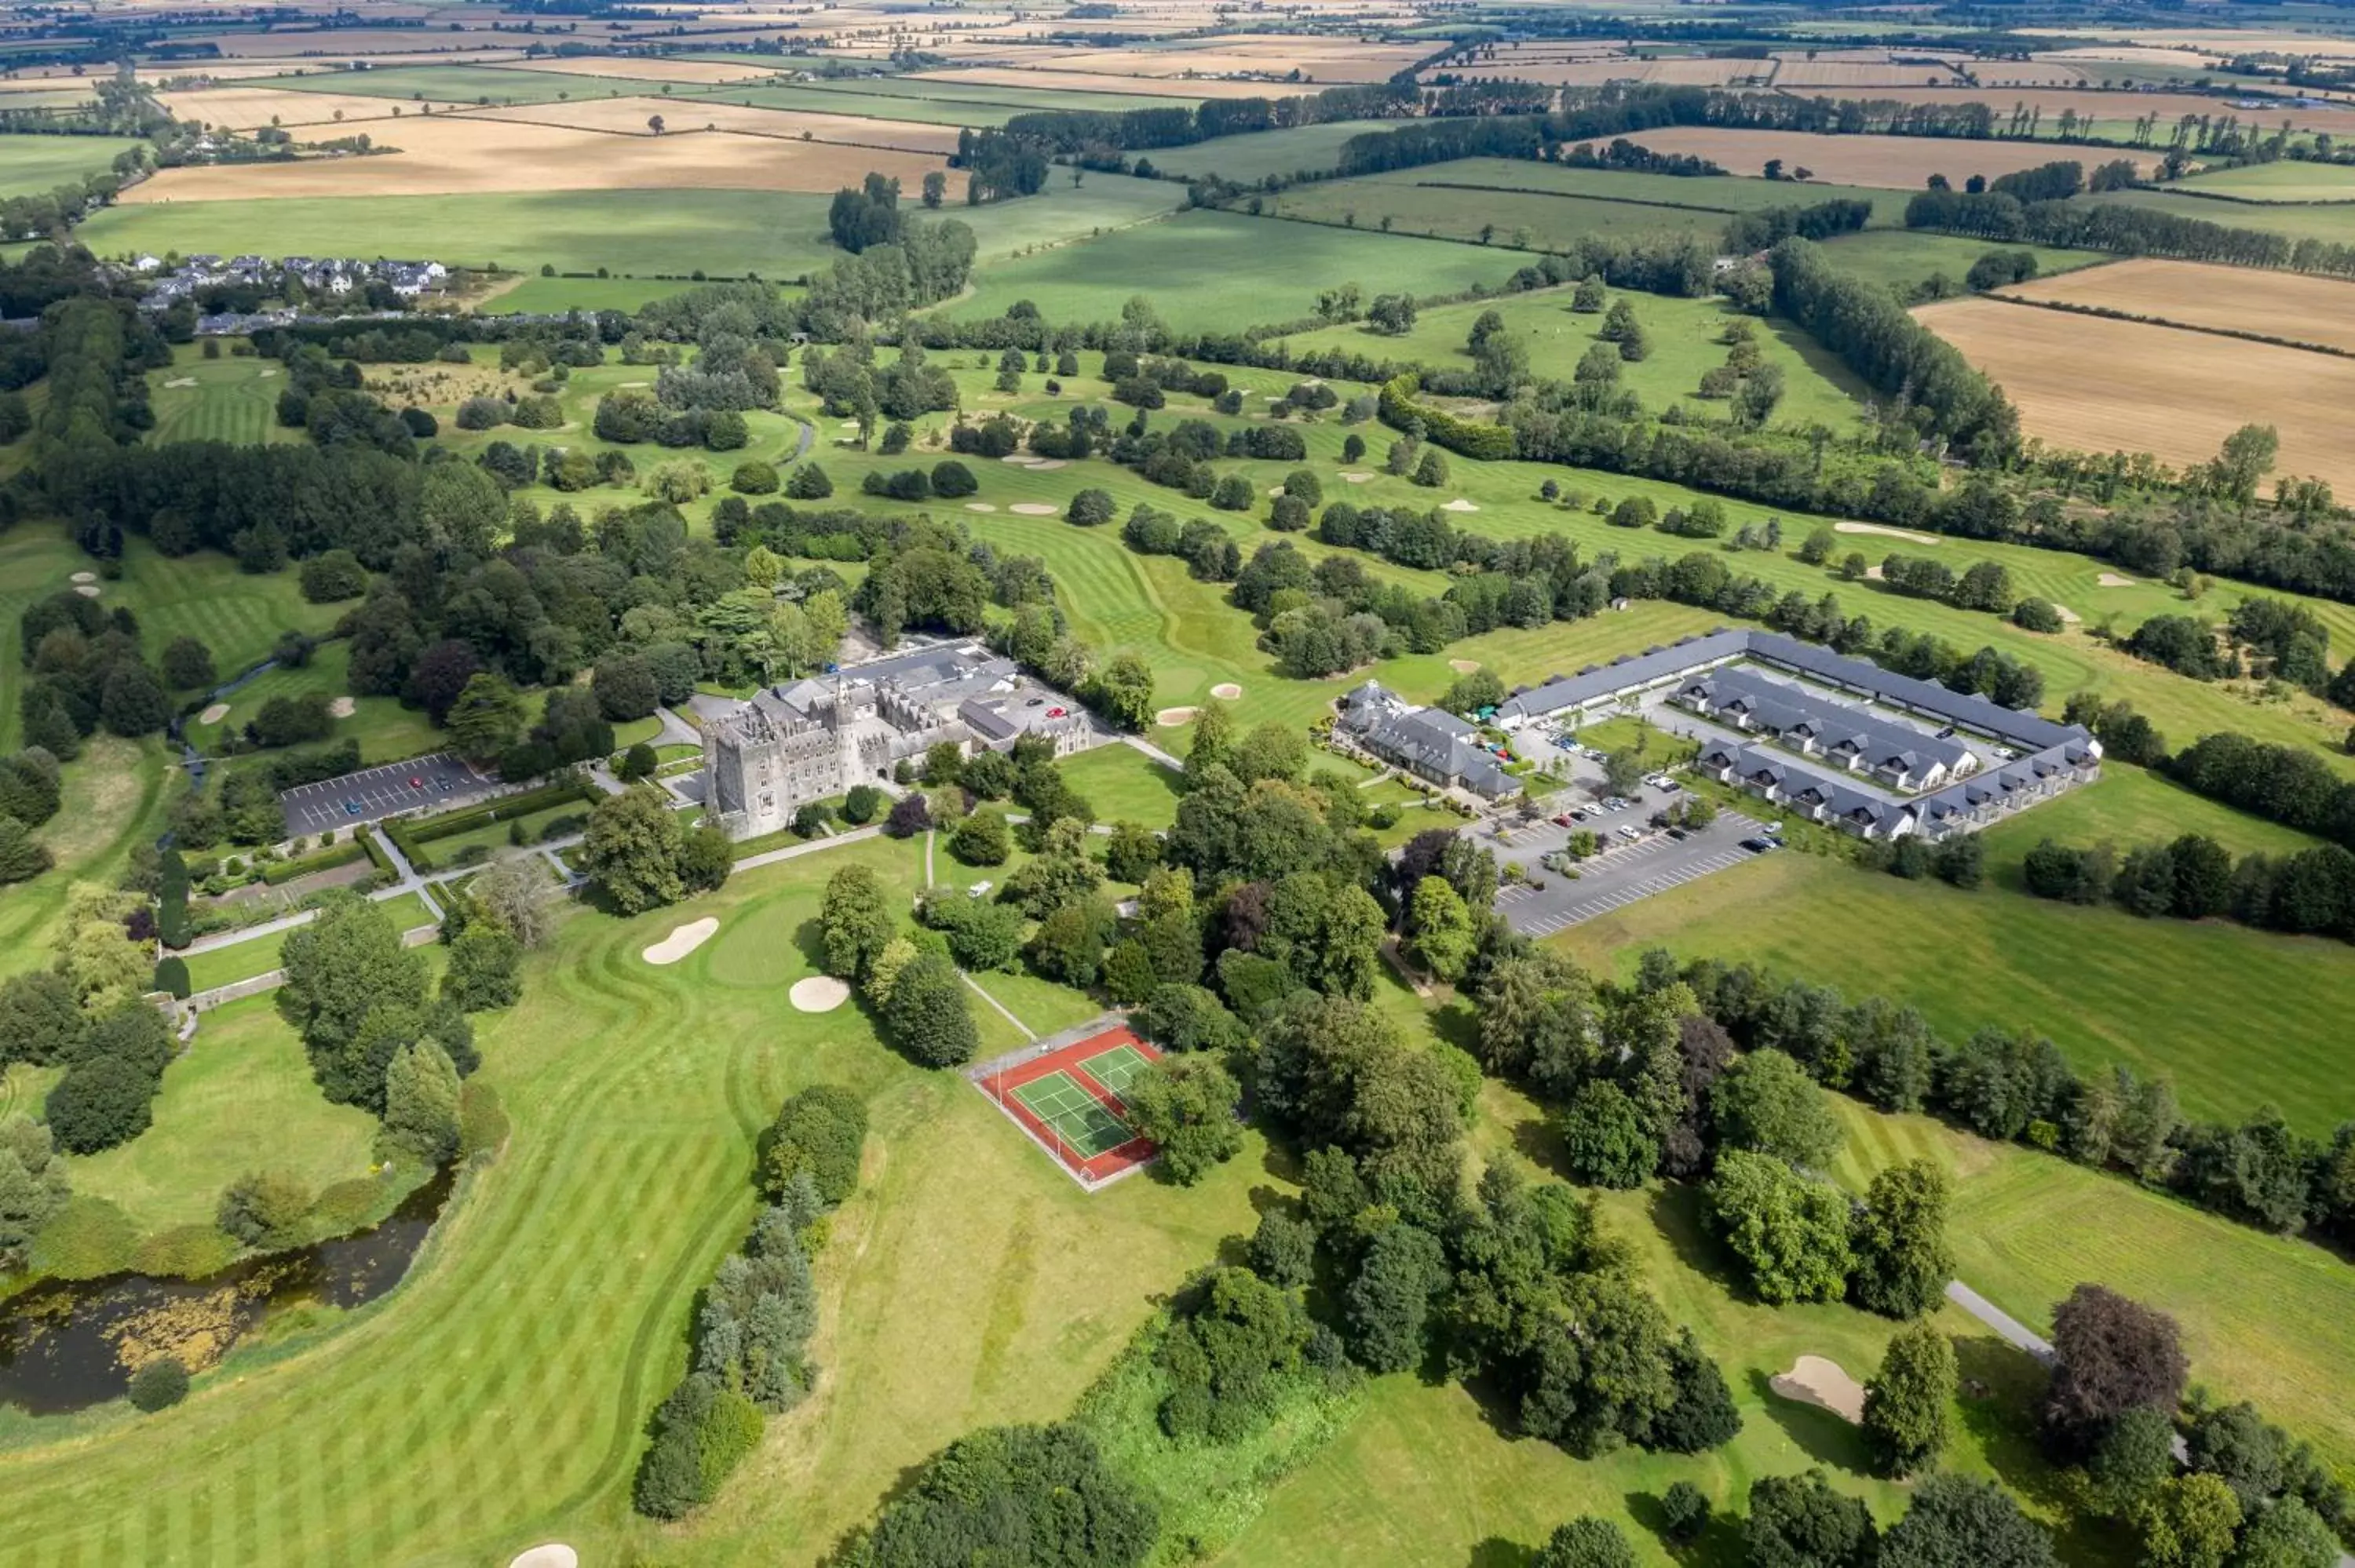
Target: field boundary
2073	308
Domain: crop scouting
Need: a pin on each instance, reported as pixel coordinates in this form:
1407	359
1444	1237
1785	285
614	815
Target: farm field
36	166
2237	1017
2283	180
1255	155
453	155
1526	222
1895	162
2297	307
937	103
2103	385
2333	224
476	84
1902	259
1729	193
1056	79
744	68
2114	112
622	1078
534	294
1232	271
247	107
233	399
1683	334
634	117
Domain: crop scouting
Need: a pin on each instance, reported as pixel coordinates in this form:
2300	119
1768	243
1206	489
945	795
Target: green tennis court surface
1117	1068
1076	1117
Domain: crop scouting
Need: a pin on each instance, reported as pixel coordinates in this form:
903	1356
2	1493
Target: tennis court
1068	1098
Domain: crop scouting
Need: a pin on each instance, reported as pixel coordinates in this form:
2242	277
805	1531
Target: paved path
2009	1326
1027	1032
790	851
1138	743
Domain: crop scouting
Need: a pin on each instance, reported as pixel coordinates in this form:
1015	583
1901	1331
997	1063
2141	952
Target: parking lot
372	794
1619	875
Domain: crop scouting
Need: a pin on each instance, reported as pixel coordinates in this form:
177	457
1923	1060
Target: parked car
1758	846
1679	834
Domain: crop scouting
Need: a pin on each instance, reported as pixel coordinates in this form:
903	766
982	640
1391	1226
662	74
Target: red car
415	783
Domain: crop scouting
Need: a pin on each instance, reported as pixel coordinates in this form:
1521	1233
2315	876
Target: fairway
233	399
1236	270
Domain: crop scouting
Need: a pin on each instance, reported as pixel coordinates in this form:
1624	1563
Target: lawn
1124	785
504	1389
1227	269
1683	335
1902	258
2237	1017
244	1069
233	399
36	166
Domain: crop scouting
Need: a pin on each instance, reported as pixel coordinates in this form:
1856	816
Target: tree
1586	1543
1906	1404
2288	1534
483	975
486	719
854	922
1604	1139
189	665
1443	939
819	1133
32	1186
1703	1415
631	851
1799	1522
515	894
1902	1261
626	688
1766	1103
935	187
1684	1508
100	1103
1283	1249
1186	1105
982	839
2133	1455
930	1015
1387	1307
131	703
1012	1494
2110	1355
341	968
1960	1522
22	857
40	1018
1790	1233
265	1209
2188	1521
420	1102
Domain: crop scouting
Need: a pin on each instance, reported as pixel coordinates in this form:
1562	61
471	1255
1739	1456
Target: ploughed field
2294	306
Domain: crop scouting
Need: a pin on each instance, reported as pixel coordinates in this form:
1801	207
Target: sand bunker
553	1555
1047	465
2111	579
213	714
1226	690
1874	574
819	993
181	381
1891	532
1020	459
1814	1381
1033	509
267	372
1352	478
1170	718
87	590
342	708
979	506
1463	666
1460	504
683	940
84	577
2066	614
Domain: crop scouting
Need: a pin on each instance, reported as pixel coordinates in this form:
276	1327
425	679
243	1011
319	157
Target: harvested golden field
1892	162
350	43
2107	385
649	69
248	108
2097	105
628	116
464	154
1860	73
1593	72
2219	43
1323	59
2292	306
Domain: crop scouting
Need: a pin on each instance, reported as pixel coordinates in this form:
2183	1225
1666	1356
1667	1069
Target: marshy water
68	1345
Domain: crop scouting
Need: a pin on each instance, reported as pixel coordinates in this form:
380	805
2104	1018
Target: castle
790	745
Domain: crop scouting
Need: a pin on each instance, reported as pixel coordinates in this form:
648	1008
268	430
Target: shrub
172	976
952	479
859	806
820	1131
753	477
159	1385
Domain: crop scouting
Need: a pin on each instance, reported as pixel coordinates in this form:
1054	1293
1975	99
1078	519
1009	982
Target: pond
68	1345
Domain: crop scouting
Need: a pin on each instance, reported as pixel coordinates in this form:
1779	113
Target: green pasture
1253	156
1902	258
1516	223
2237	1017
2333	225
36	166
1727	193
1684	337
2284	180
2263	1317
1225	269
539	294
233	399
505	1387
244	1068
925	103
